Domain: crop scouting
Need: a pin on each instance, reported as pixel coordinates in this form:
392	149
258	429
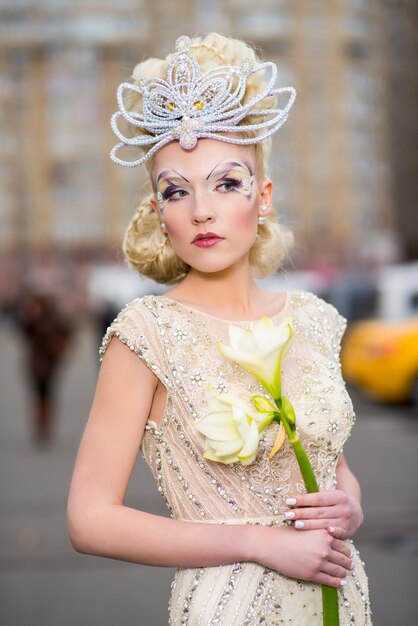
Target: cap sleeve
337	325
135	328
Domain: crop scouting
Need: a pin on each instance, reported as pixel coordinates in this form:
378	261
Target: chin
212	266
211	261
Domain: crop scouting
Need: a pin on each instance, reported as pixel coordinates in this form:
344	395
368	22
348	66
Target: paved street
44	582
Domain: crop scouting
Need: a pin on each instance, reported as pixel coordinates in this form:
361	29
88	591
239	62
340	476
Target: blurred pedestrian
47	336
106	313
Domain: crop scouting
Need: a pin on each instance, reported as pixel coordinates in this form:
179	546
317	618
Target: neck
232	290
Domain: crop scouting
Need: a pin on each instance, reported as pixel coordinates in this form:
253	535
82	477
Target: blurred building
341	172
403	99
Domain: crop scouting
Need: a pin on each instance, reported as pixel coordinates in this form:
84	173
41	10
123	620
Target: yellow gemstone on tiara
171	106
199	104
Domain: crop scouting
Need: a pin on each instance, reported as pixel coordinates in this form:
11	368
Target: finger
337	532
314	524
342	546
320	498
341	560
331	581
335	570
330	512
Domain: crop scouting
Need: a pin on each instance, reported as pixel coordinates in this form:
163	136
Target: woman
250	545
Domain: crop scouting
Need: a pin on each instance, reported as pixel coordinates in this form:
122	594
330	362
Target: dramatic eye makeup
225	177
232	176
169	184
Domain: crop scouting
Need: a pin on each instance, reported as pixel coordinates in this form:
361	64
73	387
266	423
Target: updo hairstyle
146	248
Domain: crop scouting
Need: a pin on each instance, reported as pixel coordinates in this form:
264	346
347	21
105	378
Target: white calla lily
232	429
260	350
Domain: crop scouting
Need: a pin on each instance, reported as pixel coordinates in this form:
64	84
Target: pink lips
206	240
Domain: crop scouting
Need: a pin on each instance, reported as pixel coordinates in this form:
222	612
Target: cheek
244	217
175	226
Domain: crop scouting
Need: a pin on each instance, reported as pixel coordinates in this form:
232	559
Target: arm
98	521
100	524
340	508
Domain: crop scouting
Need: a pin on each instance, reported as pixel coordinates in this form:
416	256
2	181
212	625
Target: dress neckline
190	309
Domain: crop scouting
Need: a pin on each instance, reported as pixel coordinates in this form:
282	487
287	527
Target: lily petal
235	334
248	460
229	353
225	448
217	426
251	441
213	457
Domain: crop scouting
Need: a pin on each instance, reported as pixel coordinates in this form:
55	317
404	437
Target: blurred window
413	301
357	50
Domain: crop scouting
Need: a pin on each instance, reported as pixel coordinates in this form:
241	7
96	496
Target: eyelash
230	181
168	194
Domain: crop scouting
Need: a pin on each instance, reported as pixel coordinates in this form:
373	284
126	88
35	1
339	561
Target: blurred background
345	173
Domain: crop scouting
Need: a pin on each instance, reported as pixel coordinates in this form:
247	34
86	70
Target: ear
266	196
155	207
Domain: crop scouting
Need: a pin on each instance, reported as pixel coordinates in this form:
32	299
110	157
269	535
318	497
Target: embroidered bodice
179	345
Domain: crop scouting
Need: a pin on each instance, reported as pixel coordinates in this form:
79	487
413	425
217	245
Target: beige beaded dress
179	345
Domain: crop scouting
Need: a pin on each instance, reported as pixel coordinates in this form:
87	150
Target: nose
202	210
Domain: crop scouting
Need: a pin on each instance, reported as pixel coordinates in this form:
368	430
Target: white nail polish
299	524
290	500
343	582
290	515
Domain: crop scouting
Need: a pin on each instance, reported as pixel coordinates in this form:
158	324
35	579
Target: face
209	199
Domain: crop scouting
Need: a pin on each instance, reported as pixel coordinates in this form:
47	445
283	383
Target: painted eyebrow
166	173
231	165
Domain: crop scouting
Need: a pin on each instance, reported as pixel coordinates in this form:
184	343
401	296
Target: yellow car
382	359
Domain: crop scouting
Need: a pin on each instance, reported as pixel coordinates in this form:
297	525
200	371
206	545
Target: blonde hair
146	248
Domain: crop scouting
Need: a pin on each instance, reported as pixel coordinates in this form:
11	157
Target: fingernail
290	515
290	500
352	566
299	524
343	582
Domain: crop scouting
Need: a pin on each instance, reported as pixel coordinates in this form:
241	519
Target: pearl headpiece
187	105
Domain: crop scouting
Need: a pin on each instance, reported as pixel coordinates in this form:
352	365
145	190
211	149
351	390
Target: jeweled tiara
189	105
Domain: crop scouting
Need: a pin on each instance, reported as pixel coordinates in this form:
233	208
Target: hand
313	556
326	509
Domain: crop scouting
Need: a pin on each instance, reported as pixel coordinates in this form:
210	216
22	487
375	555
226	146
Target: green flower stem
287	417
305	466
